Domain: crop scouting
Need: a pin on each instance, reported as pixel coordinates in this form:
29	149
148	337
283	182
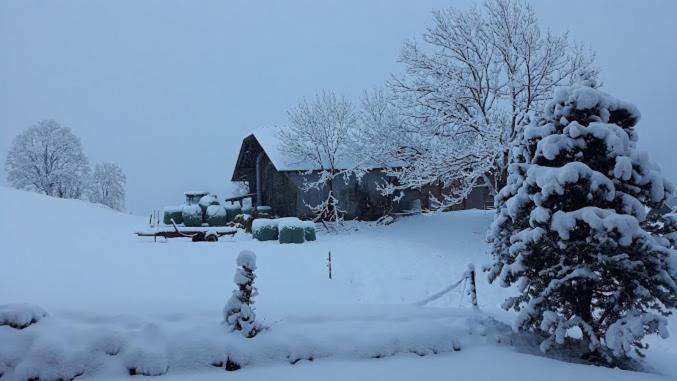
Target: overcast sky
167	89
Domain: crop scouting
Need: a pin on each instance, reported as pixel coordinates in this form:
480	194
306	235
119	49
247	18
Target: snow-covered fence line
469	274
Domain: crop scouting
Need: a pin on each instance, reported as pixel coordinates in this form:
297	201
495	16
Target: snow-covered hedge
265	229
291	230
112	348
216	215
20	315
172	212
192	215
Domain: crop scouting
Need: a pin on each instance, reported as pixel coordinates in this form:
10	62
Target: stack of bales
284	230
172	213
216	215
192	215
233	210
200	208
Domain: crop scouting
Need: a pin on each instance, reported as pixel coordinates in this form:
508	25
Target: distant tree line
48	158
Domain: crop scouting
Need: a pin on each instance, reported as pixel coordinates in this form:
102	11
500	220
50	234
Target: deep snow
83	265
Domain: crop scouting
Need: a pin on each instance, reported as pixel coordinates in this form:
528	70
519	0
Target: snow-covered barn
276	181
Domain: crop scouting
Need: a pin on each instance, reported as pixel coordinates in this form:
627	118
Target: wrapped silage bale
216	215
309	230
265	229
291	230
192	215
172	213
247	209
205	202
233	210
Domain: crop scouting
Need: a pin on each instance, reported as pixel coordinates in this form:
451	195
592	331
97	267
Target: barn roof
268	139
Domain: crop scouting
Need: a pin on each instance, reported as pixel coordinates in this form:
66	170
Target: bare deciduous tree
48	158
108	186
469	90
319	137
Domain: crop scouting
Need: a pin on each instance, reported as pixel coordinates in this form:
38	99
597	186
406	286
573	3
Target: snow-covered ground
116	302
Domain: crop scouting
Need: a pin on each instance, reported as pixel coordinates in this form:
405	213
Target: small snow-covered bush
233	210
244	221
192	215
216	215
309	229
20	315
172	213
238	313
265	229
291	230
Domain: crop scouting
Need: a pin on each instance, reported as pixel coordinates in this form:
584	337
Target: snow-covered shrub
216	215
569	229
291	230
172	212
309	229
265	229
20	315
233	210
238	313
191	215
244	221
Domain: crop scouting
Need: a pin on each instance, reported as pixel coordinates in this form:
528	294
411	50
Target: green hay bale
216	215
309	229
172	212
206	202
247	210
192	215
233	210
264	229
291	230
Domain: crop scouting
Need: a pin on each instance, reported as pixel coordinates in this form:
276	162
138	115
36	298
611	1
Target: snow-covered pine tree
238	313
569	230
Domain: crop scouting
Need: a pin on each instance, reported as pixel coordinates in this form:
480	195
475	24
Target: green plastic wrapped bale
247	209
233	210
291	230
172	212
216	215
192	215
309	229
205	202
264	229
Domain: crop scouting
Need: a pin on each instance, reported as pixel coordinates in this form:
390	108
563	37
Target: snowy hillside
116	302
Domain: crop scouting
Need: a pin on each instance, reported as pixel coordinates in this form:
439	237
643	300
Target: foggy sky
167	89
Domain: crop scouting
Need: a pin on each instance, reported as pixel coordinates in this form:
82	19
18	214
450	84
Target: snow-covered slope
161	301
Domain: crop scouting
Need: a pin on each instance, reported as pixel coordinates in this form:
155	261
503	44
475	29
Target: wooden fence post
329	264
473	285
